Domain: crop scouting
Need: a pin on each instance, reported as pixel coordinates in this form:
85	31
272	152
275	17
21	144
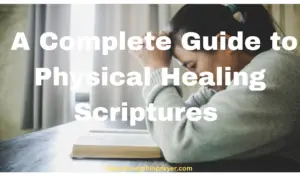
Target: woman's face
198	61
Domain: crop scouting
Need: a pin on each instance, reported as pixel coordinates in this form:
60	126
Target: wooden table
48	151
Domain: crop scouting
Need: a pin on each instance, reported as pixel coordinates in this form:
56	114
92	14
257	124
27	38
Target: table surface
49	151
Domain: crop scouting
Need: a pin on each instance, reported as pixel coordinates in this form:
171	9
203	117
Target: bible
116	144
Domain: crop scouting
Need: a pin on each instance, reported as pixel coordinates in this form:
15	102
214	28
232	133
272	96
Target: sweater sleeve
200	97
197	99
246	120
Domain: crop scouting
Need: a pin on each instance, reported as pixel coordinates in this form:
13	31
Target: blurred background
25	108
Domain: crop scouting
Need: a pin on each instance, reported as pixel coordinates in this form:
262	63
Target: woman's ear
227	36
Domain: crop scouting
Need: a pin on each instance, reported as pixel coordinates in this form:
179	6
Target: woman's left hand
154	59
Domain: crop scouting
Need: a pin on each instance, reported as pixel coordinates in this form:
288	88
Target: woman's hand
154	59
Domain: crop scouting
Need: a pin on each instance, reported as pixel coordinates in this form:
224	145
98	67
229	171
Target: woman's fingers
150	41
151	55
163	33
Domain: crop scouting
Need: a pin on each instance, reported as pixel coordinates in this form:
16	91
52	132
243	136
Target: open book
116	144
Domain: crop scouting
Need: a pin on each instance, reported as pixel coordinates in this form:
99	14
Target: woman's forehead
183	55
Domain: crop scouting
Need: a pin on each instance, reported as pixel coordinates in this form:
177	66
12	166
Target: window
82	24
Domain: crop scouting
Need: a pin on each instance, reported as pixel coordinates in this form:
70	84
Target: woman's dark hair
209	20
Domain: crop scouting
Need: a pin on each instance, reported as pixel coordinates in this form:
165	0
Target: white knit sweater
249	123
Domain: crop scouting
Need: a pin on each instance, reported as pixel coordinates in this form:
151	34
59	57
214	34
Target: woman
250	123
